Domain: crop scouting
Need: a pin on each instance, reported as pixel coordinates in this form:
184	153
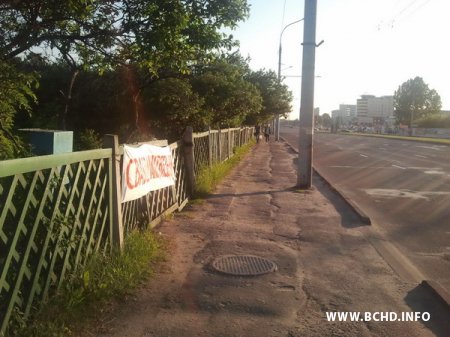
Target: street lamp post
277	122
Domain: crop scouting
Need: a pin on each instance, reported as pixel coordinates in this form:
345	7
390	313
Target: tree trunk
68	97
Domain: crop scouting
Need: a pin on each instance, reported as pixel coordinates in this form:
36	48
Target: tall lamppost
277	123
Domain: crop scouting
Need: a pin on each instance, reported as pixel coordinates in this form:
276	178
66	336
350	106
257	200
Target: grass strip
84	296
210	177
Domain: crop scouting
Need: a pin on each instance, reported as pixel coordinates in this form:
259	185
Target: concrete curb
434	287
438	291
361	214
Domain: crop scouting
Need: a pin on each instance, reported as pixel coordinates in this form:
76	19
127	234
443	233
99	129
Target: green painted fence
54	213
57	210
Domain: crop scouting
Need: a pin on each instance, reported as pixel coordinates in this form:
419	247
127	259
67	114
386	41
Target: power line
400	15
403	14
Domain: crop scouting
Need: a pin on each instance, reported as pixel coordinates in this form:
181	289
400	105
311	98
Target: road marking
363	155
433	172
429	147
424	168
341	166
360	167
403	168
418	155
403	193
383	148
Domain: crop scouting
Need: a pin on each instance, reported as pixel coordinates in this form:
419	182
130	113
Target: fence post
189	161
219	144
210	150
229	143
115	209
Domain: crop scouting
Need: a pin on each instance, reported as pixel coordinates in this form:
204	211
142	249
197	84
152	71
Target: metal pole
277	120
304	175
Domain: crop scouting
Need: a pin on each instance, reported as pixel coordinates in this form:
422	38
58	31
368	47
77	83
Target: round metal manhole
243	265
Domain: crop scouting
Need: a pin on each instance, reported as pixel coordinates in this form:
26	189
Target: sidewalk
324	264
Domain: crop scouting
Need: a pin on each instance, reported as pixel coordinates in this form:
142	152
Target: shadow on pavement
349	218
420	299
225	195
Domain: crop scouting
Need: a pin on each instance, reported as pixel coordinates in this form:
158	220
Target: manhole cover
243	265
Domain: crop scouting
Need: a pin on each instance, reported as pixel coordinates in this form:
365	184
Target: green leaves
16	93
276	96
414	99
228	96
151	34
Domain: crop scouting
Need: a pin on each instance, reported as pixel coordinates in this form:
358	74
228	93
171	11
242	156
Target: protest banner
146	168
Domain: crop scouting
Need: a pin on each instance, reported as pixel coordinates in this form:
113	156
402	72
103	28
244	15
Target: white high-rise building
371	109
345	114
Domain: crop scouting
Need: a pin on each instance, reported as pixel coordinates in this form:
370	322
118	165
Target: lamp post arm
279	48
277	121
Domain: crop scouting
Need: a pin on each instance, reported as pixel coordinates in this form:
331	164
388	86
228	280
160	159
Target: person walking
257	132
267	133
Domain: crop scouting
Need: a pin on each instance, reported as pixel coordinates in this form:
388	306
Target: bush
87	139
435	121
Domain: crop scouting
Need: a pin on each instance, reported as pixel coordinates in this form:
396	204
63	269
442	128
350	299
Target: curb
438	291
361	214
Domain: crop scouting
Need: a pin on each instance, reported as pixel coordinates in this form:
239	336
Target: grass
105	278
209	178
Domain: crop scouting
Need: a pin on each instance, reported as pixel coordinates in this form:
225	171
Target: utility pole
304	173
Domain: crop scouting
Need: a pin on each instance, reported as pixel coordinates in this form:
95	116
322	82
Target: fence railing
57	210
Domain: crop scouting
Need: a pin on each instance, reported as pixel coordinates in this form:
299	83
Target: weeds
104	278
208	178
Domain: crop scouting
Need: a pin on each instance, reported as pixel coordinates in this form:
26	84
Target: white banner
146	168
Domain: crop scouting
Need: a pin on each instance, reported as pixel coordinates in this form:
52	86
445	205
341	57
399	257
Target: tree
152	38
16	93
324	120
228	97
277	98
414	99
171	105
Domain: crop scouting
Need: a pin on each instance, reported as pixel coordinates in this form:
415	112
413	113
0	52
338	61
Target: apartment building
346	113
375	110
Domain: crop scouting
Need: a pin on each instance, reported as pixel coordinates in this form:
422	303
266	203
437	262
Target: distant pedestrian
267	133
257	132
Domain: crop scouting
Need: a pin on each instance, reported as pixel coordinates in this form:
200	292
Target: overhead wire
401	16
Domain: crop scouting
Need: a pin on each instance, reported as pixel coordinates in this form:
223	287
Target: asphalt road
403	186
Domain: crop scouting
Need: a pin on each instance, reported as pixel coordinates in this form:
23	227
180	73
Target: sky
370	46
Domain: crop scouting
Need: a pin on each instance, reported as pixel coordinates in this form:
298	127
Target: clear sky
371	46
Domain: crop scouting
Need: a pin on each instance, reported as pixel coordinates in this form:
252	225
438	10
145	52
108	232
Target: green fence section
53	215
55	211
218	145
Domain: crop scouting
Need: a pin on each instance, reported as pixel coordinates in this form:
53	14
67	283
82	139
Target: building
374	111
346	114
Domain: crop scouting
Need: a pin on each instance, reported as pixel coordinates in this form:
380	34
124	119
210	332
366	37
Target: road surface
403	186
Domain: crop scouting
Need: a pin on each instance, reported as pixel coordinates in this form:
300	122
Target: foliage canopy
161	64
414	99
